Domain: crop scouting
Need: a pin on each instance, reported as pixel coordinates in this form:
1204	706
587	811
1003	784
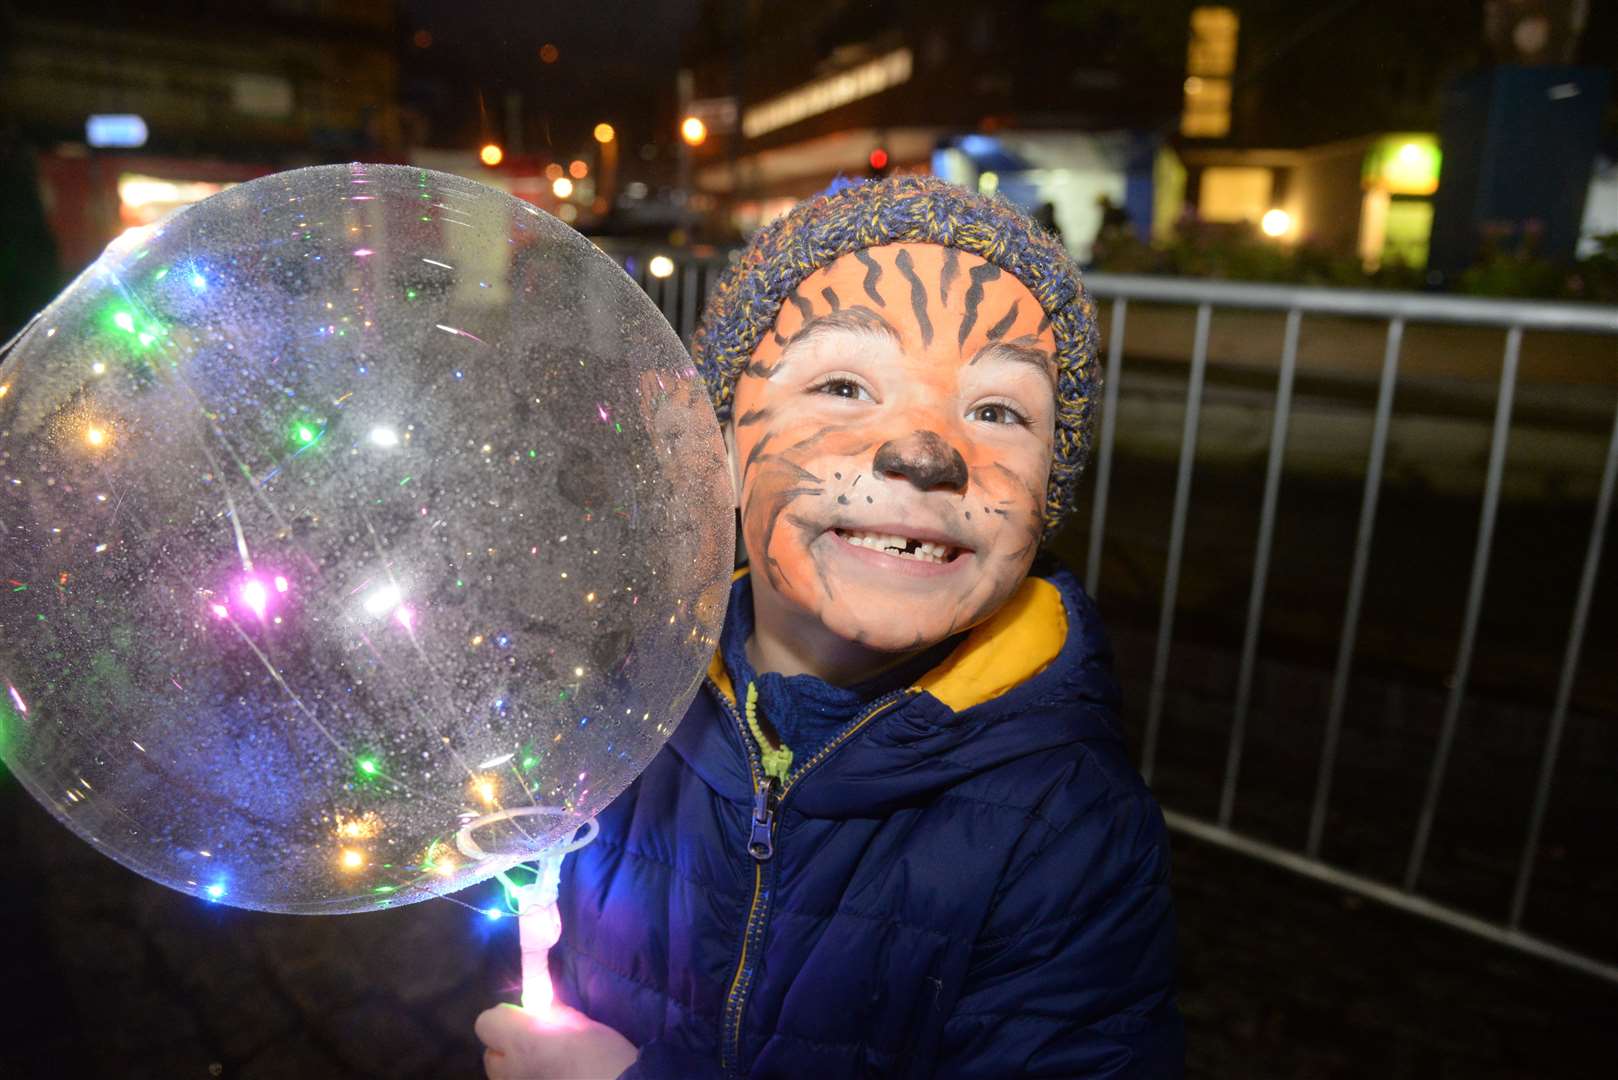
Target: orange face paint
893	442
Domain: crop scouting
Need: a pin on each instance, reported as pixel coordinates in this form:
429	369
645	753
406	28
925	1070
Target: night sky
615	62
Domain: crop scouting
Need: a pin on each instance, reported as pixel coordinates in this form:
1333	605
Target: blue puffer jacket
970	881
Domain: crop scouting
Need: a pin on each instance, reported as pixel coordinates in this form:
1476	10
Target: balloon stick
539	922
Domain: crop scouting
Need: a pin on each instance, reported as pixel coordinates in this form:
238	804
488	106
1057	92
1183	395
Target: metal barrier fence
681	287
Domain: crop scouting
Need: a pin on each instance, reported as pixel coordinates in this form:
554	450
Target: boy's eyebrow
856	319
1016	350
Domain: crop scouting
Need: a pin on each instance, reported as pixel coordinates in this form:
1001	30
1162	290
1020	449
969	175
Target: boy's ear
735	472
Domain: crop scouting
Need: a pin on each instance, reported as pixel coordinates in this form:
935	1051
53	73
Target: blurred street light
607	177
693	131
549	53
578	169
561	187
1276	223
660	266
491	154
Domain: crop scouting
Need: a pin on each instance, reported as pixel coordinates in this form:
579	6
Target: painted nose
925	459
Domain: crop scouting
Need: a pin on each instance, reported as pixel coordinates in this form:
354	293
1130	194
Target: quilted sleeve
662	1060
1074	975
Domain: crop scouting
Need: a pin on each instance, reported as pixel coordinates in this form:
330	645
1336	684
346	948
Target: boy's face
893	443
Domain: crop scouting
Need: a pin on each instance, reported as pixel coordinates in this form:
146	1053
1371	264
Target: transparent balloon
363	531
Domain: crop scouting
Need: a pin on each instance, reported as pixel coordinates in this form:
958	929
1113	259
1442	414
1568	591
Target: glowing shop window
144	200
1234	193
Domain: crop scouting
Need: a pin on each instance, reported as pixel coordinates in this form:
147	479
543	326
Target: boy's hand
563	1045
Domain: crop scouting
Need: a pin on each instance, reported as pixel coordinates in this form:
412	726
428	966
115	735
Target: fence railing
1398	310
681	292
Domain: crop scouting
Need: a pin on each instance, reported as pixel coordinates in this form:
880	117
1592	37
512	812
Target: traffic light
878	162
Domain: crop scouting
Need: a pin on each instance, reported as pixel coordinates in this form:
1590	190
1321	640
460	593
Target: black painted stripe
947	276
805	309
752	416
918	295
979	276
829	294
873	274
998	330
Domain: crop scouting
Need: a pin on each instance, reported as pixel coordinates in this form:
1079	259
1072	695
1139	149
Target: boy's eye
844	388
996	413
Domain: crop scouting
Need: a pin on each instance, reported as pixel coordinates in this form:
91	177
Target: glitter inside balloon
341	516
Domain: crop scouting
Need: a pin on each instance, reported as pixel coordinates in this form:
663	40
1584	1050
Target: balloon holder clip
539	923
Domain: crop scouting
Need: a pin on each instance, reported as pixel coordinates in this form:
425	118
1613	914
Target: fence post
1564	683
1261	564
1356	582
1109	426
1182	503
1474	605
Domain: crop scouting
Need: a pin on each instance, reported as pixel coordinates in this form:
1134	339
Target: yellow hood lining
1016	643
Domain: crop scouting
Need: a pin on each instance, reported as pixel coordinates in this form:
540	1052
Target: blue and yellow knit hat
745	301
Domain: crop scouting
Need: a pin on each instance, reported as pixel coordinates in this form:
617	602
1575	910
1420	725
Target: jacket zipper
761	846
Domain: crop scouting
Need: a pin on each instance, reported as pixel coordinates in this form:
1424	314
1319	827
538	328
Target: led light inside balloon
256	596
383	600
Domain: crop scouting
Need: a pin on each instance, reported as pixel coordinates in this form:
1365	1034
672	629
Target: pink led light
362	252
601	411
256	596
406	617
22	706
220	610
280	584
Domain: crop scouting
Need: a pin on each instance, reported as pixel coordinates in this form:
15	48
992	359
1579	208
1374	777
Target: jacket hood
1034	677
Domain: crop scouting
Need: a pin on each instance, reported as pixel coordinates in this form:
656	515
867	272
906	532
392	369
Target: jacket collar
1010	647
1035	676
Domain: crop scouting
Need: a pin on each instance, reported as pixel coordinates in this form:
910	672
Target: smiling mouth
903	547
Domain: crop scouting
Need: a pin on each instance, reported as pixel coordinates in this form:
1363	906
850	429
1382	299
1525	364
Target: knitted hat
745	301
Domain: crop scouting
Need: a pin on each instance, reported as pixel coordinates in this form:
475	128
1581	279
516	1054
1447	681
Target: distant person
1045	216
28	270
897	832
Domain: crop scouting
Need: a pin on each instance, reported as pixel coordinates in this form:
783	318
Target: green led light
384	889
366	765
124	321
529	762
306	434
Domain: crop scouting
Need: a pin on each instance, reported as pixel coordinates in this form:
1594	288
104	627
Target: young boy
897	833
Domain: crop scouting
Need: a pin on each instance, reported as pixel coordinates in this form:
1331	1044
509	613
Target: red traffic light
879	158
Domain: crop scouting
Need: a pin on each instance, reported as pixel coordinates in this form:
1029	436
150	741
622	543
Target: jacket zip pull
760	843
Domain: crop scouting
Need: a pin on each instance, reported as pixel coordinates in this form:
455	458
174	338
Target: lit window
1210	61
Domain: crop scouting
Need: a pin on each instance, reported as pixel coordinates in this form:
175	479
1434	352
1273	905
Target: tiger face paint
892	443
